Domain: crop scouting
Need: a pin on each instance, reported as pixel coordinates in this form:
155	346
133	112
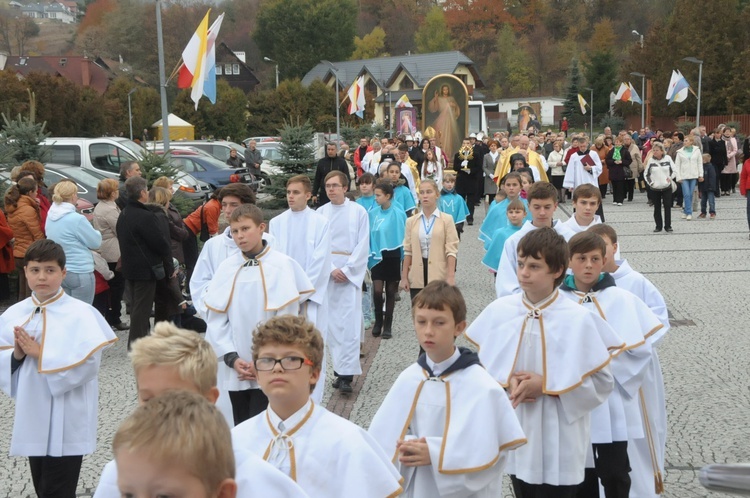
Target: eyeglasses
332	185
287	363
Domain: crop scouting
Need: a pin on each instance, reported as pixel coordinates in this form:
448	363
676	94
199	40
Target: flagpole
162	82
695	60
643	97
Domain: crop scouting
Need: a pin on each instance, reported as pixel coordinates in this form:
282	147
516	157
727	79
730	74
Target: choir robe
652	397
367	202
466	419
349	231
454	205
619	419
402	196
497	218
495	250
571	348
507	279
574	227
242	295
254	477
534	160
575	175
57	395
326	455
215	250
303	236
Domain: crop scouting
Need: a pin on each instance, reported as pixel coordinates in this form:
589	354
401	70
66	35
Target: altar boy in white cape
587	200
542	201
328	456
553	357
249	287
619	419
50	352
302	234
446	422
646	454
349	231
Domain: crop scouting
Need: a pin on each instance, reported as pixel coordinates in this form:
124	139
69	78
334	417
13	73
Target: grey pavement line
692	272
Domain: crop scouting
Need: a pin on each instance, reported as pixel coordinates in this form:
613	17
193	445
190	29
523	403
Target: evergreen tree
297	158
21	140
571	107
601	75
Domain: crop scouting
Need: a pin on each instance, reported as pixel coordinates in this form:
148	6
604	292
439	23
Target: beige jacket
105	220
444	243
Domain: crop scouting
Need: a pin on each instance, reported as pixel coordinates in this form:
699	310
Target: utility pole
162	79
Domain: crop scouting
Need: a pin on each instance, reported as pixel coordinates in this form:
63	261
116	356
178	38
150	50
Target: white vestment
575	175
254	478
303	236
619	419
647	454
349	232
571	348
574	227
241	295
506	282
469	425
325	454
214	252
371	163
57	395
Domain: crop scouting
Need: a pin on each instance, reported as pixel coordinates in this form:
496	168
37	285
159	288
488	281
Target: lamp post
591	108
636	33
338	122
162	79
700	76
390	113
130	112
277	69
643	97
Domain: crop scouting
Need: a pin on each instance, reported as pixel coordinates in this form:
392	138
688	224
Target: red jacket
358	159
7	262
211	211
745	177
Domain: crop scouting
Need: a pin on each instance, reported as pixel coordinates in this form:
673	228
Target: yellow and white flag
582	102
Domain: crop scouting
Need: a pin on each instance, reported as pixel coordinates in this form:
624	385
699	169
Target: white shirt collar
439	368
292	421
435	214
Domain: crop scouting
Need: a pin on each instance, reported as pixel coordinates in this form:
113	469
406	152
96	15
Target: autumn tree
433	35
14	98
509	67
370	46
475	25
299	33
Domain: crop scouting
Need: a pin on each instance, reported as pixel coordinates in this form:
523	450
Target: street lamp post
700	77
130	112
277	69
162	79
636	33
338	121
643	97
591	108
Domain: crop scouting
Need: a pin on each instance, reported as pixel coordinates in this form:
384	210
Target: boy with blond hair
324	453
169	359
447	423
158	448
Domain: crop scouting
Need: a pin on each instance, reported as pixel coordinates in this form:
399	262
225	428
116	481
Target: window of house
235	69
218	69
371	87
406	84
227	69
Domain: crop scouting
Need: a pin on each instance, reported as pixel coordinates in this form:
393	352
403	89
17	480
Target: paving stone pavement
702	271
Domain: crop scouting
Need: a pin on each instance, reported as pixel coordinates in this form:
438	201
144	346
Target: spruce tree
571	107
21	140
297	158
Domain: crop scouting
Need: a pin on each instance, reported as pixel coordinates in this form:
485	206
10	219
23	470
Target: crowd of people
566	401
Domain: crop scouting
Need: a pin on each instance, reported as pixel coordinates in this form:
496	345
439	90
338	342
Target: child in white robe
169	359
646	454
349	231
50	352
553	358
302	234
542	200
325	454
447	423
248	288
587	199
619	419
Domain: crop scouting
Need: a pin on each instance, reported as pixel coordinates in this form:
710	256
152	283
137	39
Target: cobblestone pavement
702	269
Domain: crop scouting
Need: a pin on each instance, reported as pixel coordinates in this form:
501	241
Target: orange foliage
475	24
95	13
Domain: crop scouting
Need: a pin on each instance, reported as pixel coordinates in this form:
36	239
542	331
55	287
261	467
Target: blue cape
402	196
454	205
497	217
387	229
368	203
496	246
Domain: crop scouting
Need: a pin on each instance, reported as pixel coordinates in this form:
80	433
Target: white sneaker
689	217
614	203
683	216
619	203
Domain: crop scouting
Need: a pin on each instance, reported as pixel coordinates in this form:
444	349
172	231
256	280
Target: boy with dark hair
50	351
542	201
646	454
248	288
324	453
553	358
619	419
448	425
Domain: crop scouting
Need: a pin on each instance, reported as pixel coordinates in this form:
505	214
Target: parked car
217	148
259	140
209	169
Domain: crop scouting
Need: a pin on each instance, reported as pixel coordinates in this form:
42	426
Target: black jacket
718	151
142	241
466	182
325	166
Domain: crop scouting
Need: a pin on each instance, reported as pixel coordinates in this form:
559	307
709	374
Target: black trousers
612	467
349	378
662	197
141	300
116	291
602	189
471	200
523	489
727	182
618	190
630	188
247	404
55	477
600	211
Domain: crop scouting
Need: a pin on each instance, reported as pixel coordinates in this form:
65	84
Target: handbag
628	172
204	235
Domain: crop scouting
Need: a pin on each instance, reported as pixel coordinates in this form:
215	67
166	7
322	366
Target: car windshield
133	147
80	175
270	153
